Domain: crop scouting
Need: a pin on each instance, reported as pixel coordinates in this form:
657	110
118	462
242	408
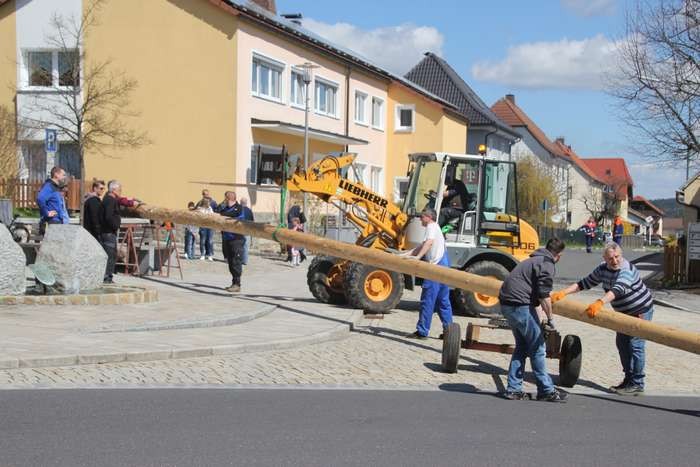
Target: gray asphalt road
577	263
212	427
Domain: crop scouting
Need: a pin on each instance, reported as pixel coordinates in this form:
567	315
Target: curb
666	304
191	324
337	332
127	295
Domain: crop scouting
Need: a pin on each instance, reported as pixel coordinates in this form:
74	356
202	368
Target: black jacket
530	281
91	216
110	217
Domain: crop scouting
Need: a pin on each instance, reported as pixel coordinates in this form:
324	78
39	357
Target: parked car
657	240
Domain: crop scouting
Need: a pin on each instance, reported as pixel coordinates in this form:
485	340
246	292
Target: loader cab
472	196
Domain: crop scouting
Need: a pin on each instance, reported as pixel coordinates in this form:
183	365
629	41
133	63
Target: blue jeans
246	246
529	342
434	297
206	242
631	350
189	244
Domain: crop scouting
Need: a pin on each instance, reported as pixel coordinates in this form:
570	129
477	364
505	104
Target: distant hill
668	206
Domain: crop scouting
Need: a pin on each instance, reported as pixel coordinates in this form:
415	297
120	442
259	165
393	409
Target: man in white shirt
433	251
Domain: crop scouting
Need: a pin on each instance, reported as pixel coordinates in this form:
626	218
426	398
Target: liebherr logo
356	190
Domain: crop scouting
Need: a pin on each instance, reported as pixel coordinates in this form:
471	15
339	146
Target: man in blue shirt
233	243
246	215
52	204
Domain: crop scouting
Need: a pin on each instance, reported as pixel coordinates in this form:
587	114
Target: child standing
190	235
296	251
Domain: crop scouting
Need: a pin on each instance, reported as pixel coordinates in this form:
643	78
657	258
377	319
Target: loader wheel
325	280
465	303
372	289
451	343
570	360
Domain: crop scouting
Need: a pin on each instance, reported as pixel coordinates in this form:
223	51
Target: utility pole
307	68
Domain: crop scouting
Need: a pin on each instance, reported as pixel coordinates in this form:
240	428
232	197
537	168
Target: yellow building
418	124
217	83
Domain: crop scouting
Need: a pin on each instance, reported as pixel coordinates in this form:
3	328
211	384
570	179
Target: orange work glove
594	308
557	296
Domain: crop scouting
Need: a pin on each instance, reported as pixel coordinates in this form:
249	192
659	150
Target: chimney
269	5
293	17
510	98
560	140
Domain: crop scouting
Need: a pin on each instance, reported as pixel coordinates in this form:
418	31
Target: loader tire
324	281
466	303
373	289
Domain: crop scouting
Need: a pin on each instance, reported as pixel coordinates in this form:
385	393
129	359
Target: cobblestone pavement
375	354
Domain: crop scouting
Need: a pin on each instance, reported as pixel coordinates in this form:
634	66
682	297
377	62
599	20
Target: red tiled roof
613	170
514	116
643	200
578	162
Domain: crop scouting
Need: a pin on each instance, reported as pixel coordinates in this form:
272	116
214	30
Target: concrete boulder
12	261
74	257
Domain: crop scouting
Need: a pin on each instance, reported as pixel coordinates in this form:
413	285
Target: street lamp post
307	68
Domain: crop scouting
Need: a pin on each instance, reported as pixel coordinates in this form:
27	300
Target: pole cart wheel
451	343
570	357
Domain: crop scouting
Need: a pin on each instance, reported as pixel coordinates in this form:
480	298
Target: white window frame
379	188
296	105
397	118
272	64
361	121
397	188
55	74
381	101
361	168
329	83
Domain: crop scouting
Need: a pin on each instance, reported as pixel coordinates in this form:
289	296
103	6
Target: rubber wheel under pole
466	303
372	289
325	280
570	358
451	343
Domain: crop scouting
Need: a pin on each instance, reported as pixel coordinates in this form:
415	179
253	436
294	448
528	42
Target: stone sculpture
12	261
74	257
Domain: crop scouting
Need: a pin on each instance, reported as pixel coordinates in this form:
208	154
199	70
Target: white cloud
589	8
396	48
653	181
566	63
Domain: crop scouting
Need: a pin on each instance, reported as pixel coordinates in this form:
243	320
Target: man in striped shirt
626	292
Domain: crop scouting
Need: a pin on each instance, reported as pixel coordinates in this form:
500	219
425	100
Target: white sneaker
210	258
202	258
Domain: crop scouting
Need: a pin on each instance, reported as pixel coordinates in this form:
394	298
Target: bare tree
605	206
10	134
91	102
657	81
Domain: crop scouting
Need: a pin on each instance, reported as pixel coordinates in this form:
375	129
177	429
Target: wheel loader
484	234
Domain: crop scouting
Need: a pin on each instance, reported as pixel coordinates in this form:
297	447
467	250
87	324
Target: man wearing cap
434	293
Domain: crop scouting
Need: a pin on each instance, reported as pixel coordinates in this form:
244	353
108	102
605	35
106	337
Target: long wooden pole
569	308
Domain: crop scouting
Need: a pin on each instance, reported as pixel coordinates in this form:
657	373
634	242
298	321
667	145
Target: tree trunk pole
665	335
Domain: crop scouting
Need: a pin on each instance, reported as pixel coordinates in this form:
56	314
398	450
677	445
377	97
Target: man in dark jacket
233	243
92	208
52	204
525	303
110	221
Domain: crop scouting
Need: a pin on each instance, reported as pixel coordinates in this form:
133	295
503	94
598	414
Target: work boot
554	396
415	335
515	395
631	390
625	382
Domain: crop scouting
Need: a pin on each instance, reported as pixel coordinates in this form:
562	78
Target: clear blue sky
551	54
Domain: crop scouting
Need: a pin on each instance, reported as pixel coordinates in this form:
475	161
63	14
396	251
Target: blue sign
51	141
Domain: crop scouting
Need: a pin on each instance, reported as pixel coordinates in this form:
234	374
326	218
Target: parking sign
51	140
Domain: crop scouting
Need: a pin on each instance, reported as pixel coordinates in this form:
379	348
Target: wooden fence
23	193
674	264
